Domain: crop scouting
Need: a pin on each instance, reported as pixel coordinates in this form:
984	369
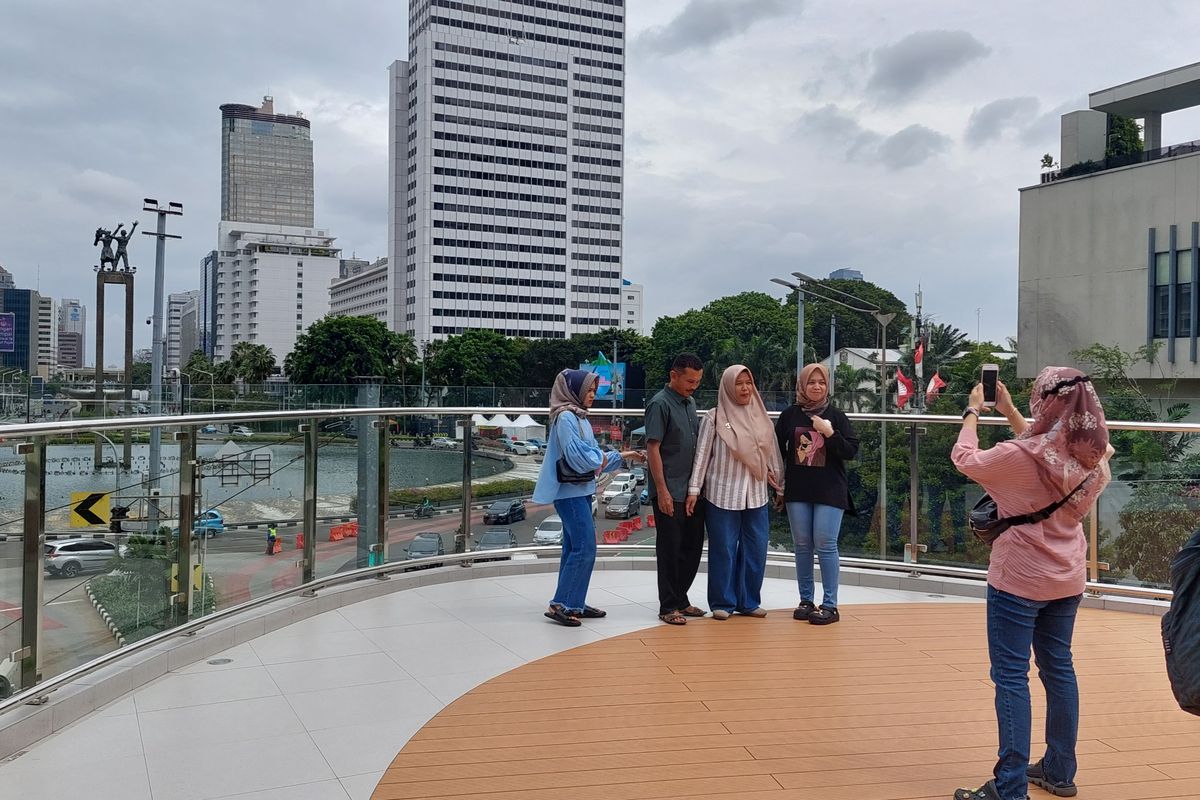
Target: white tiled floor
317	710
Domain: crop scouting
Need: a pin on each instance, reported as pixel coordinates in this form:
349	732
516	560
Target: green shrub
443	495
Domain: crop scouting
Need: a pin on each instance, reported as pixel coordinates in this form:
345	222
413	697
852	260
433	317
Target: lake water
69	469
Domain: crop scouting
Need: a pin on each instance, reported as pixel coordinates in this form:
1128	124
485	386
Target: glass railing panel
12	517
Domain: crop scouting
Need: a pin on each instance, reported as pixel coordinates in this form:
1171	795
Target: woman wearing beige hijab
736	460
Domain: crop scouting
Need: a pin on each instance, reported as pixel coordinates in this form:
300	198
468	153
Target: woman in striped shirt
736	459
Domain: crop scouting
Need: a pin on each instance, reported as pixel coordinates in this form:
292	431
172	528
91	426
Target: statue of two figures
108	257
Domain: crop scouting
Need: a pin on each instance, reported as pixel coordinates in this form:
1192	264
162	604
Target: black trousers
678	543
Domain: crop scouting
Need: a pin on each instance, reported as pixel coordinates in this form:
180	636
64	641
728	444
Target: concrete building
361	290
846	274
70	350
266	166
24	305
632	311
6	279
47	337
175	354
189	328
506	169
72	318
272	283
1109	249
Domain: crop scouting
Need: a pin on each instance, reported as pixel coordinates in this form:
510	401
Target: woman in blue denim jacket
570	437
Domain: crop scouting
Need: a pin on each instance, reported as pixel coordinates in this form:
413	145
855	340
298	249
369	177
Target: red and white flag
904	389
936	384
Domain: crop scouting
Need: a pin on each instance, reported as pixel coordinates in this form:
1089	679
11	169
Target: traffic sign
89	508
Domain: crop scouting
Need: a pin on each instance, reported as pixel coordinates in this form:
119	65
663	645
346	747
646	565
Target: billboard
612	380
8	333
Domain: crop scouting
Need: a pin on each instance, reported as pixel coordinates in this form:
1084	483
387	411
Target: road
241	570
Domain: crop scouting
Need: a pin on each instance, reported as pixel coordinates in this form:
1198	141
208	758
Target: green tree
856	390
543	359
142	360
335	350
698	332
1124	137
477	357
253	363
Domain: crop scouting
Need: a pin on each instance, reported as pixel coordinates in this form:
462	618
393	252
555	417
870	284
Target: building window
1183	294
1162	294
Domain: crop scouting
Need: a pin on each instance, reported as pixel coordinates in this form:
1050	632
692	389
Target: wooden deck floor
893	703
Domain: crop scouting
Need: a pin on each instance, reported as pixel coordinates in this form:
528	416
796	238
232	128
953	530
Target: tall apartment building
267	242
632	312
176	357
506	154
266	166
273	282
47	336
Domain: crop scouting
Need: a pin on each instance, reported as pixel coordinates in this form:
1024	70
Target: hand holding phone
988	376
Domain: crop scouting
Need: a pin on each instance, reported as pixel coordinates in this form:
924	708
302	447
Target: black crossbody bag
563	470
988	525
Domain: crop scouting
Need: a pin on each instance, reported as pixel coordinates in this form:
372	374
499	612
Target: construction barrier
300	540
347	530
650	520
612	537
637	524
276	547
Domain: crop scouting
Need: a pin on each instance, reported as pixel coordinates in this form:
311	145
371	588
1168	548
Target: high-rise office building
209	265
361	290
506	154
266	166
47	336
72	333
24	305
6	279
175	354
189	328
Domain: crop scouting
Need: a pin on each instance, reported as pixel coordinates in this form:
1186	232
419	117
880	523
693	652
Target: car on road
530	448
426	544
442	443
645	496
625	477
208	524
539	443
639	475
615	488
502	512
495	539
549	530
623	506
517	448
10	677
241	430
209	429
69	557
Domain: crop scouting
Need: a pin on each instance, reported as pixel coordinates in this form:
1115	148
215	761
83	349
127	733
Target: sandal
1036	773
825	615
561	616
593	613
673	618
692	611
985	792
804	610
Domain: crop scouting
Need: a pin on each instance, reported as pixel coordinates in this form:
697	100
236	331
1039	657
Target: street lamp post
799	290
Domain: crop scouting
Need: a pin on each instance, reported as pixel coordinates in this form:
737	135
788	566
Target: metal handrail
24	430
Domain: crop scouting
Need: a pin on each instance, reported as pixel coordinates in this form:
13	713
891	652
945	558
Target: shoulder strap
1048	511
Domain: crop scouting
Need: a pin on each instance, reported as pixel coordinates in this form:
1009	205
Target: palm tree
856	389
253	363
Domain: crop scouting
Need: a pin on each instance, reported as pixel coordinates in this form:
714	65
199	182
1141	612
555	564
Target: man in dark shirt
671	428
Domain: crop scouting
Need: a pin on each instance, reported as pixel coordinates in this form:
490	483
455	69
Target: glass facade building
266	166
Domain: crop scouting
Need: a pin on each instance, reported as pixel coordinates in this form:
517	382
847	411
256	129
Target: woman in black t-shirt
816	441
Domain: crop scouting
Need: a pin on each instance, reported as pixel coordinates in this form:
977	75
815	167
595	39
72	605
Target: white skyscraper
175	355
506	151
47	337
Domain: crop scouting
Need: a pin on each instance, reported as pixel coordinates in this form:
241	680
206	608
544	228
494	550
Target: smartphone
988	374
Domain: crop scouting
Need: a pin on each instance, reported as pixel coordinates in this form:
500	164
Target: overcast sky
762	136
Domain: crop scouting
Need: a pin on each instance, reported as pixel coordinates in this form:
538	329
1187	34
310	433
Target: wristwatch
969	410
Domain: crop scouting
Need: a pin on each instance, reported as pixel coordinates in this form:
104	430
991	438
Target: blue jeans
737	557
578	553
1015	625
815	527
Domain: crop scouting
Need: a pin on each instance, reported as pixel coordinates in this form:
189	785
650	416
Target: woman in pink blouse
1036	573
736	459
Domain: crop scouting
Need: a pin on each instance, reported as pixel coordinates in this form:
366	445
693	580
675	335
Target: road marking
64	602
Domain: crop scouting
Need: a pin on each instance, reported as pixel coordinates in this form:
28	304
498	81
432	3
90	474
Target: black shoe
803	610
985	792
825	615
1036	774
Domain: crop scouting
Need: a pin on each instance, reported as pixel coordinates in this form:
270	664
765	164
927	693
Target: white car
549	531
524	448
615	488
241	430
442	443
627	477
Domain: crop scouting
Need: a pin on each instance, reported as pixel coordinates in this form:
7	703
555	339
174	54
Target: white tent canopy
526	427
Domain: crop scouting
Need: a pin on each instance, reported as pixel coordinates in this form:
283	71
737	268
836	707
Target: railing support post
382	476
311	431
460	539
32	544
187	520
914	549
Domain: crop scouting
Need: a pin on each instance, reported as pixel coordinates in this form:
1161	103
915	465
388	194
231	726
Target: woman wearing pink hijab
736	459
1036	573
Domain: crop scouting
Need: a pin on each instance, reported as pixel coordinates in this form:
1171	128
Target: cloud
704	23
990	121
911	146
903	69
831	127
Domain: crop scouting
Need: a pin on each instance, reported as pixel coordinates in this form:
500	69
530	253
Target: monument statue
122	238
107	259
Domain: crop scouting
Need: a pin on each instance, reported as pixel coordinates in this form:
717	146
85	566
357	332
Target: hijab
808	405
745	429
570	386
1069	435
